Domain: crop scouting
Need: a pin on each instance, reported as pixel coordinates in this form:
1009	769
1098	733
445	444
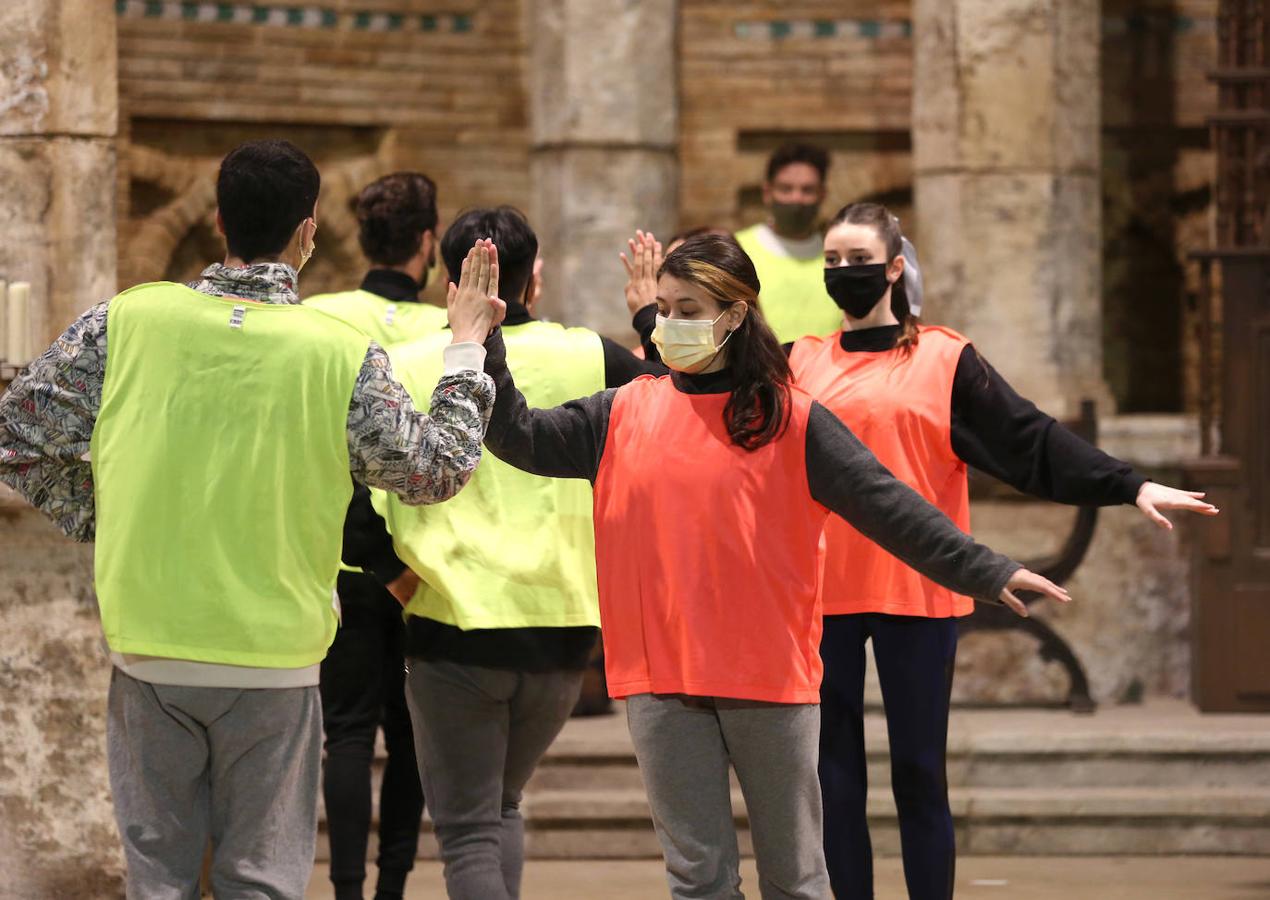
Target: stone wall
57	832
755	74
367	85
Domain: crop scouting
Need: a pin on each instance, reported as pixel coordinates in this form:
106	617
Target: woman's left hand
1026	580
1154	497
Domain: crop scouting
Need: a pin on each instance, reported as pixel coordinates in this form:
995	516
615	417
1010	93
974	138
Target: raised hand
641	270
1154	497
472	305
1025	580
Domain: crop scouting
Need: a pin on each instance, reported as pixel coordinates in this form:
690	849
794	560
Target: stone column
1006	178
57	224
604	129
59	95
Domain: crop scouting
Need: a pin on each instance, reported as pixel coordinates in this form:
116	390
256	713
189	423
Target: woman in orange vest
922	399
712	486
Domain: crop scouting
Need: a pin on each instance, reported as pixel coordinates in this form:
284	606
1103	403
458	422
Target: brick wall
366	86
372	85
754	74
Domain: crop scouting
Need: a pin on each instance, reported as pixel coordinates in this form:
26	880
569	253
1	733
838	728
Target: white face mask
687	345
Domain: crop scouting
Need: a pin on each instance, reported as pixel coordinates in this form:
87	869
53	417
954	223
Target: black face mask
857	289
794	218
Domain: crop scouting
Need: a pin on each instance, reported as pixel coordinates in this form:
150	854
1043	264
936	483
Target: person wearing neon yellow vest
362	684
397	231
787	248
208	454
501	628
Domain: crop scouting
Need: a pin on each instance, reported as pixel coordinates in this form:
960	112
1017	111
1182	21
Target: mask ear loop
306	256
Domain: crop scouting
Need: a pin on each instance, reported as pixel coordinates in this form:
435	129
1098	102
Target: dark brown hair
697	232
757	413
264	190
393	212
788	154
887	226
508	228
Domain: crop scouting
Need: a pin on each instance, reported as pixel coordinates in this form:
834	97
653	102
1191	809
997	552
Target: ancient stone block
588	202
57	830
57	68
599	77
1013	260
58	220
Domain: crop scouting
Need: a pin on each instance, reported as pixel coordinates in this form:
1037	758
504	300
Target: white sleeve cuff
464	356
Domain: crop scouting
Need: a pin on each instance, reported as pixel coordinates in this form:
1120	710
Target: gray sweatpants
479	734
238	767
684	746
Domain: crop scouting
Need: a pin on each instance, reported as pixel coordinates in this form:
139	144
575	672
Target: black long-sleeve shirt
568	441
999	432
522	649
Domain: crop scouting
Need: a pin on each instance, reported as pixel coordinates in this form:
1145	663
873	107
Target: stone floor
978	878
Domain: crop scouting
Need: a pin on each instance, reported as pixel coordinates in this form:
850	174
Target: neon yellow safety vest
221	476
793	296
513	550
387	322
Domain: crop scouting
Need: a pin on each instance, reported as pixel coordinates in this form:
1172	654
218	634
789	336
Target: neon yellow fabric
220	469
512	550
385	321
793	296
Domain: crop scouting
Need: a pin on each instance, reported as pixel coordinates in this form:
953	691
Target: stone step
1159	778
1185	760
601	824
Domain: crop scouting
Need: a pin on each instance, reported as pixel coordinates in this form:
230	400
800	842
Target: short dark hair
508	228
816	157
393	213
264	190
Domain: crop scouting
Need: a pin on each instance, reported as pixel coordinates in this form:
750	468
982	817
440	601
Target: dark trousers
915	666
363	689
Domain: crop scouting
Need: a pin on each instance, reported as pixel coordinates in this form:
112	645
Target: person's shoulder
428	346
939	340
151	288
334	298
646	383
564	337
942	333
814	341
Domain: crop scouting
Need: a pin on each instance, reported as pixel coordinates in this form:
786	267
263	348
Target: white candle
19	323
4	320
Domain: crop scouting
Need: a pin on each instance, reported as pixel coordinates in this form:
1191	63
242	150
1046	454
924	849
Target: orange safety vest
708	556
901	408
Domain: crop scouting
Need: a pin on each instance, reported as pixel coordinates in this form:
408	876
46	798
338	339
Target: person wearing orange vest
923	400
711	490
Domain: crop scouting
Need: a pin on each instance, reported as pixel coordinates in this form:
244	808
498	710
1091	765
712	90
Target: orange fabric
708	556
901	408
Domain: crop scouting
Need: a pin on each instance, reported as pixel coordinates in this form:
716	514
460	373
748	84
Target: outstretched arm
427	458
566	441
1005	435
46	424
846	477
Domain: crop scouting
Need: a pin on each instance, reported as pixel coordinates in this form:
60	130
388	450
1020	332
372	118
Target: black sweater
569	441
1000	433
